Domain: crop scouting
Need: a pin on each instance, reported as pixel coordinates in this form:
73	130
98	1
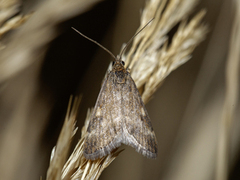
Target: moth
119	115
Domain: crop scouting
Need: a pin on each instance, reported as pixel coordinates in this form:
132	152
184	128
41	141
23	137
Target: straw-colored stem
231	98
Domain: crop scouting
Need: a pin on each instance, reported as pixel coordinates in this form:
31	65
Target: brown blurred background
185	111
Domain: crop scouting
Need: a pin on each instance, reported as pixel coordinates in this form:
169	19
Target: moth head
118	62
118	65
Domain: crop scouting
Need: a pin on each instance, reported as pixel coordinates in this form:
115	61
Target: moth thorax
120	76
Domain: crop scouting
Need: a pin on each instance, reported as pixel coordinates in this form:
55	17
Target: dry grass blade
60	152
231	98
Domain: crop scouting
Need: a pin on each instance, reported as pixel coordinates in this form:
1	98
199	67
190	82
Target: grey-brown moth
119	116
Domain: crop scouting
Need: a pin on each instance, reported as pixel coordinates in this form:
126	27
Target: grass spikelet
60	152
150	60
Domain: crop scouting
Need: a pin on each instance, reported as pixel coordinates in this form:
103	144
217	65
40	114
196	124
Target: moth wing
104	129
137	129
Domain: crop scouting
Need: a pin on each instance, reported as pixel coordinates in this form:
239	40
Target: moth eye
113	63
123	63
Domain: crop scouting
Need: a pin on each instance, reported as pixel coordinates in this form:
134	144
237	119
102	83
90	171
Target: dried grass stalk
150	60
231	98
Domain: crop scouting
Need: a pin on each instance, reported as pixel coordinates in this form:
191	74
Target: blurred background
44	61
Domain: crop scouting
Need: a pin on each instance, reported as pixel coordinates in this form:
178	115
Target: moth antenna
95	43
121	53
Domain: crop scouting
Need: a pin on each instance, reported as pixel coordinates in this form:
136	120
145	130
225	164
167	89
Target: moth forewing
137	125
119	116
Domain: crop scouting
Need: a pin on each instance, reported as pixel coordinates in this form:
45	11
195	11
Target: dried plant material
7	19
151	59
77	167
231	98
184	42
36	33
8	9
60	152
13	23
20	65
